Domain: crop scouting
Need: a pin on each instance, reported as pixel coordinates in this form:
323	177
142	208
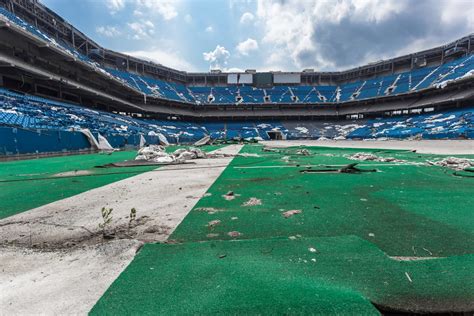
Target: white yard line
71	280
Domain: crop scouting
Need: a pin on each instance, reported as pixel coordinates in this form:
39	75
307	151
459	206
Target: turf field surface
399	238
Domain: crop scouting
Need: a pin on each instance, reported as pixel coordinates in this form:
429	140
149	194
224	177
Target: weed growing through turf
106	217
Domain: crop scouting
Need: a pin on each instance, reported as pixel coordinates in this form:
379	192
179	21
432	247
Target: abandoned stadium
129	187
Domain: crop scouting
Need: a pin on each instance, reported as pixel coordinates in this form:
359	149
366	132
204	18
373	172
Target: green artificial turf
27	184
281	276
406	210
332	258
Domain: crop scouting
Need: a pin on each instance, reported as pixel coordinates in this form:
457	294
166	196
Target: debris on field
213	223
229	196
408	277
371	235
212	235
290	213
311	249
234	234
253	202
372	157
351	168
453	163
209	210
203	141
303	152
234	218
157	153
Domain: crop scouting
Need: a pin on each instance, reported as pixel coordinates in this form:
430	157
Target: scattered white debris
209	210
303	152
290	213
372	157
408	277
453	163
371	235
157	153
234	234
229	196
253	202
213	223
311	249
203	141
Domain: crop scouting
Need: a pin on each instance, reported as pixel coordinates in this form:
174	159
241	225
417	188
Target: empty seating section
392	84
446	125
40	116
35	113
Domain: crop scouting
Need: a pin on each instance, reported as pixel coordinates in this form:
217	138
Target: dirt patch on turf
51	237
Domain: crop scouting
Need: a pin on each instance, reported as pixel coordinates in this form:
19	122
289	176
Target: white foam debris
290	213
157	153
454	163
253	202
372	157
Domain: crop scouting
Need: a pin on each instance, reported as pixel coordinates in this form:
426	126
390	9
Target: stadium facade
57	82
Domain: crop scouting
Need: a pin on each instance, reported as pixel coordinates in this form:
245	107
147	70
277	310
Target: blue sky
288	35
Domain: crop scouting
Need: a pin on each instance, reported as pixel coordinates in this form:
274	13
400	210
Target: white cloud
166	58
247	17
142	30
166	8
209	29
245	47
108	31
217	58
344	33
115	5
188	18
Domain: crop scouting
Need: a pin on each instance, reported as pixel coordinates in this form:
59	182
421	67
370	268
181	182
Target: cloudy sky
289	35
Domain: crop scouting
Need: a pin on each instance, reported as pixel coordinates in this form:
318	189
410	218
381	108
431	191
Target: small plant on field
106	218
133	217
